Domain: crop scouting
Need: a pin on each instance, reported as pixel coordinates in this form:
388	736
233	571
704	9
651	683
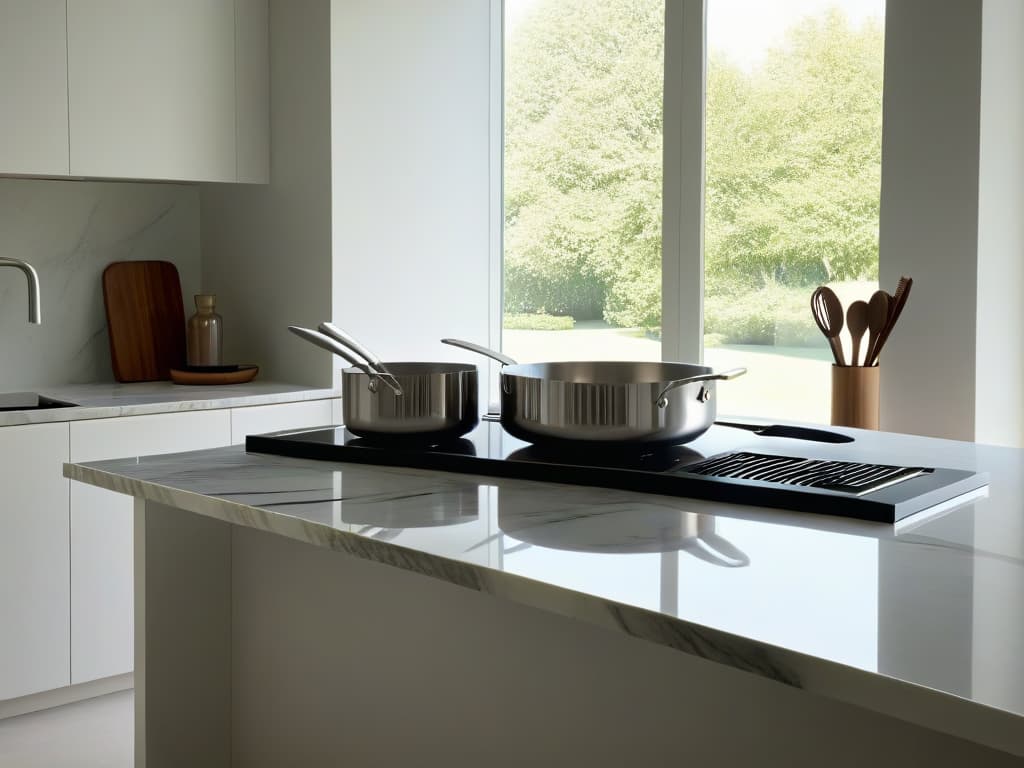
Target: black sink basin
29	401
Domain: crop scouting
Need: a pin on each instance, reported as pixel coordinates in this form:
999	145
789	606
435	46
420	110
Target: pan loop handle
662	399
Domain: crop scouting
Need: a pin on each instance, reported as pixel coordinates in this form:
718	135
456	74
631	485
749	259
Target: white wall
69	231
1000	375
413	209
999	413
952	193
267	249
929	214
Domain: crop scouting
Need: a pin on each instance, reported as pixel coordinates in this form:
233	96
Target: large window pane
793	155
583	179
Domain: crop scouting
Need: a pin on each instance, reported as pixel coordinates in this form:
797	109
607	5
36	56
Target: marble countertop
106	400
922	621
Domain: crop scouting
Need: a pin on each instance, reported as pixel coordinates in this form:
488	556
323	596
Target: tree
793	160
583	155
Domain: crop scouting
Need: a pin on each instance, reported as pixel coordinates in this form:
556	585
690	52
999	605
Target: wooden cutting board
145	319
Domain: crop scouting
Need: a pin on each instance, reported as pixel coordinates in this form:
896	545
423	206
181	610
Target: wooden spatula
878	316
899	300
857	322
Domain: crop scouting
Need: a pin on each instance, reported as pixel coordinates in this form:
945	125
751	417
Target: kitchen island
291	611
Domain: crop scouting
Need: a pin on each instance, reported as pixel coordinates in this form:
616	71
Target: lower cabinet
270	418
69	620
34	594
101	531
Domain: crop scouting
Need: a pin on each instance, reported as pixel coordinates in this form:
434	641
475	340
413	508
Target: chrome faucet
33	285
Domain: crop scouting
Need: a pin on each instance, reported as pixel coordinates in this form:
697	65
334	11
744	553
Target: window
793	149
792	156
583	179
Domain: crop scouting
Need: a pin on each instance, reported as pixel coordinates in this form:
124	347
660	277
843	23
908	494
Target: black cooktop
802	477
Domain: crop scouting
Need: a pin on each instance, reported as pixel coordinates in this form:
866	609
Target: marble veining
925	625
70	230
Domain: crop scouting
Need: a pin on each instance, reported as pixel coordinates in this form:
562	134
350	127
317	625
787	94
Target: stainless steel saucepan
430	402
606	403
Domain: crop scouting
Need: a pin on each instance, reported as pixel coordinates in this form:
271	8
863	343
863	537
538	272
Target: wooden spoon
857	322
878	316
828	314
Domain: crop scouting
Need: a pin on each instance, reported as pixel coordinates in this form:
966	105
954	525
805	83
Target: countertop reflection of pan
459	446
657	459
628	527
414	510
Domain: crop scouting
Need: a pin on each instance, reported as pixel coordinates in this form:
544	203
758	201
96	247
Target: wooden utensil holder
855	396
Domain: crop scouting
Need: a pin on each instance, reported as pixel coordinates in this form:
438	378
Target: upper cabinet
33	87
151	89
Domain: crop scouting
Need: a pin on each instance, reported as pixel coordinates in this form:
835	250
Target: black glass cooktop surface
803	476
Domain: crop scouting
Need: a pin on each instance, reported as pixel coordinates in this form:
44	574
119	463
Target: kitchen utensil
145	319
240	375
857	323
422	402
605	403
899	300
855	396
326	342
352	343
828	314
438	402
791	431
878	316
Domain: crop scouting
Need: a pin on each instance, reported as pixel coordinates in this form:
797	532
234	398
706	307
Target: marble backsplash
69	231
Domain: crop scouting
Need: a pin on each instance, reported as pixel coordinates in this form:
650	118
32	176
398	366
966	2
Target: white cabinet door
34	589
271	418
252	90
33	87
152	89
101	531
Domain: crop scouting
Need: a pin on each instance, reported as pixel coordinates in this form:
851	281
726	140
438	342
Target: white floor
95	733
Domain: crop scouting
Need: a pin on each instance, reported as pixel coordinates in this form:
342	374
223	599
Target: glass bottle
204	335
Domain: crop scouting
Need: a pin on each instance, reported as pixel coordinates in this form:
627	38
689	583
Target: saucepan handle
481	350
349	341
326	342
662	400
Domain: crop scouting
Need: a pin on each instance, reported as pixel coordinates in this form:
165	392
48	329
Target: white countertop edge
873	691
172	404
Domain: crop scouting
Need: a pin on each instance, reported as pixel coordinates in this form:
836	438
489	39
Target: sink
29	401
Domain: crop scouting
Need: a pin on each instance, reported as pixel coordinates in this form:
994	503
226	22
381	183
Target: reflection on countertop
811	600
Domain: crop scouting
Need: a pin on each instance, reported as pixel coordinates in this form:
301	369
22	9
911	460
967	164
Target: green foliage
794	159
793	154
583	160
538	322
775	314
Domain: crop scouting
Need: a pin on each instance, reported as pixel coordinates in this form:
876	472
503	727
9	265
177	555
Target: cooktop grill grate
844	476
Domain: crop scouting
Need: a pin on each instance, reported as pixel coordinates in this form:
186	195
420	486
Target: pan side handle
662	400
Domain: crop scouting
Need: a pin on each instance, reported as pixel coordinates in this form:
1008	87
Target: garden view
793	158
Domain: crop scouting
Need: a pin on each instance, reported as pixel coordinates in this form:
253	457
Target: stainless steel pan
430	402
605	403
